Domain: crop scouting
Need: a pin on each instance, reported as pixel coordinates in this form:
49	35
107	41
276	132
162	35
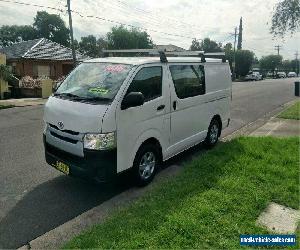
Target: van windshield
94	82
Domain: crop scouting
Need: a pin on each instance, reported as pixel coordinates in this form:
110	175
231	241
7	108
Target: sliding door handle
161	107
175	105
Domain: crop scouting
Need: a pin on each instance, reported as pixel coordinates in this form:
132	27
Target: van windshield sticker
115	68
99	90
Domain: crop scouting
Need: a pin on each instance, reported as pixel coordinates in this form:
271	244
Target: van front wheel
145	164
213	133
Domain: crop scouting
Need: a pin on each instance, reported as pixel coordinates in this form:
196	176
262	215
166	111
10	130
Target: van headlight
100	141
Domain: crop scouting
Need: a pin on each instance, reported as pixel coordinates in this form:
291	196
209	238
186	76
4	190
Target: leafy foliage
51	26
45	25
270	62
91	46
16	33
244	60
122	38
4	72
286	17
206	45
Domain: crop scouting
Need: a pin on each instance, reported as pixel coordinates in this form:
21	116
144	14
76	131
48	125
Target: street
35	198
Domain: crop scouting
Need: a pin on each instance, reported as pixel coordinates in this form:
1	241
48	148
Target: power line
99	18
31	4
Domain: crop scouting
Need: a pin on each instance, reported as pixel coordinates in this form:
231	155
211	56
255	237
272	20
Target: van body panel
174	129
76	116
136	125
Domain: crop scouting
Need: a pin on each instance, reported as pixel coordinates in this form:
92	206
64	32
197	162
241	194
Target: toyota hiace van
118	113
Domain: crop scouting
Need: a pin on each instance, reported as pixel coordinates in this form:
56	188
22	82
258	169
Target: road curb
58	236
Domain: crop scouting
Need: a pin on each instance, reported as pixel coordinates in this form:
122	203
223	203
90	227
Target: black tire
213	133
147	151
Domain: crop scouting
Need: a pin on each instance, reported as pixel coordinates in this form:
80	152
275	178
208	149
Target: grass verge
6	106
215	199
292	112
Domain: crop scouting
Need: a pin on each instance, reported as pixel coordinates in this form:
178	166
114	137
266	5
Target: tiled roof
42	48
169	47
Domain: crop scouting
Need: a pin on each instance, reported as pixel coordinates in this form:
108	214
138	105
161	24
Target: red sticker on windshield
114	68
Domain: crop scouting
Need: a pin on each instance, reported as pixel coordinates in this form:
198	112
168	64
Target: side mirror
133	99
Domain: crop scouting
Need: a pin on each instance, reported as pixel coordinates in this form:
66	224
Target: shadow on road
56	201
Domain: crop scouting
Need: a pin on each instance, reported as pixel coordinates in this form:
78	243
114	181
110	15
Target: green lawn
215	199
292	112
6	106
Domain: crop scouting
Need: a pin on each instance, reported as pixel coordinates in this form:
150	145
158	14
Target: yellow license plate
62	167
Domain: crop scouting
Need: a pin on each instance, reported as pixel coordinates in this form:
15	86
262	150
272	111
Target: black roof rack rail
163	54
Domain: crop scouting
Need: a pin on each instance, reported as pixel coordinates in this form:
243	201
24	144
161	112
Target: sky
168	21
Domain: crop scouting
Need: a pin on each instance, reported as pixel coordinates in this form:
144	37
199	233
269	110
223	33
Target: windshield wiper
67	95
97	98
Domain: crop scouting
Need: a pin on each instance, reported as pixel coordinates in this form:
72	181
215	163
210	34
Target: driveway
35	198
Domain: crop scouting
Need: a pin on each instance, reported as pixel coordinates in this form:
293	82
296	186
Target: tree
270	62
92	47
206	45
122	38
240	38
195	45
4	72
243	61
14	33
51	26
286	18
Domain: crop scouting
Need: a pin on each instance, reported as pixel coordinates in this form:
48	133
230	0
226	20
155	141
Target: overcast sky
184	19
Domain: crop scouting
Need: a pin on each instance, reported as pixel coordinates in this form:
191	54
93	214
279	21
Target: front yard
215	199
292	112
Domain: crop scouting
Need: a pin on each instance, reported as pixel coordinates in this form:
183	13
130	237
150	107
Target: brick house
39	58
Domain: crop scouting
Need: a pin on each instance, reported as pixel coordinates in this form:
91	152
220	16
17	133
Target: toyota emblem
60	125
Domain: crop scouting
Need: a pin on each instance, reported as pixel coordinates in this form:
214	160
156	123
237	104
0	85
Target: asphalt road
35	198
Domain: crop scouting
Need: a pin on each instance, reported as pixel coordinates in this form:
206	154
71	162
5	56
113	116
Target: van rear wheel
213	133
145	164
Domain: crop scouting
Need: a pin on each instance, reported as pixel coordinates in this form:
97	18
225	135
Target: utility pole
234	52
71	32
297	63
278	47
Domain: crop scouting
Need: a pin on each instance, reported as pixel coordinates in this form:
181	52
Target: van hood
75	116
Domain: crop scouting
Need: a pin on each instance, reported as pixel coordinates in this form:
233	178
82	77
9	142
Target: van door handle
175	105
161	107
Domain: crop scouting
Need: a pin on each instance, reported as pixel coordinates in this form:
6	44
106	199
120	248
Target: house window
41	70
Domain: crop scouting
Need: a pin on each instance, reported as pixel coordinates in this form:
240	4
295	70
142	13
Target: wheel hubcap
147	165
214	133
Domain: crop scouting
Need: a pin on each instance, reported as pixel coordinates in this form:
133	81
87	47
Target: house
40	58
169	47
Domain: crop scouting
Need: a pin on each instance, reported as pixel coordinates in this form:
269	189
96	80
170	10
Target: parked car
270	74
292	74
254	76
281	75
116	114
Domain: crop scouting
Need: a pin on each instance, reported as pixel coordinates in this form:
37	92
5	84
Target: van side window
149	82
189	80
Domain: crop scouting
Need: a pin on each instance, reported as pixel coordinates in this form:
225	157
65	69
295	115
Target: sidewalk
279	128
23	102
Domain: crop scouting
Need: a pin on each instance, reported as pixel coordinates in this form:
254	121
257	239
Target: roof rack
163	54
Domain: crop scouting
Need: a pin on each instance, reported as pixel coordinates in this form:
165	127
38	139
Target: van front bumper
100	166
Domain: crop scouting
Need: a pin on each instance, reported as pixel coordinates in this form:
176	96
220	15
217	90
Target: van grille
65	131
63	138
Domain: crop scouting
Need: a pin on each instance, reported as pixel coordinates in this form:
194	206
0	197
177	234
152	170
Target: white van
119	113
